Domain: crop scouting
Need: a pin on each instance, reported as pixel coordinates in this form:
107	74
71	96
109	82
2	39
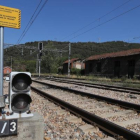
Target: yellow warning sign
10	17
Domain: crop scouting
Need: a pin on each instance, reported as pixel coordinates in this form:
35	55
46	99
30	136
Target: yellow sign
10	17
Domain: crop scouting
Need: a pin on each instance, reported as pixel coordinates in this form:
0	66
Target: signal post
17	117
9	17
2	102
40	49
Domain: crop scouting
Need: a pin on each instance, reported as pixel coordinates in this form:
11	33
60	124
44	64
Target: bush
135	77
76	71
123	78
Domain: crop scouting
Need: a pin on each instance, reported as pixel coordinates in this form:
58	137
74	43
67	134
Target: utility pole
99	40
39	68
30	52
37	64
69	59
22	51
11	62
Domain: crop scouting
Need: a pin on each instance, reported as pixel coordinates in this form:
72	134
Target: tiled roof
71	60
114	54
7	67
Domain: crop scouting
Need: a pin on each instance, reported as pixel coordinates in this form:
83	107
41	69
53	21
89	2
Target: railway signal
40	48
19	92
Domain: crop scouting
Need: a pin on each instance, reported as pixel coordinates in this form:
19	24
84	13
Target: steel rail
106	87
106	99
109	127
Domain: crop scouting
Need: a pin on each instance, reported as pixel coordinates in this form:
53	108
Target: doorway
131	68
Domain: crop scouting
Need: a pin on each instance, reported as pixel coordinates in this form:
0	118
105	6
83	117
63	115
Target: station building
117	64
74	63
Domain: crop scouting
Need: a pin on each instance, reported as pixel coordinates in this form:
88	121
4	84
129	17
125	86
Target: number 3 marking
14	126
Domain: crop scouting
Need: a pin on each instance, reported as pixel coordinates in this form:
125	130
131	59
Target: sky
76	21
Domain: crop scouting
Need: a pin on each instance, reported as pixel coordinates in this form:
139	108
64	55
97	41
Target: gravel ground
91	104
57	124
134	127
57	127
106	93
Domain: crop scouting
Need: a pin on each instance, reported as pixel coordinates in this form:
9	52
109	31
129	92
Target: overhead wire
105	22
31	22
64	48
98	18
133	39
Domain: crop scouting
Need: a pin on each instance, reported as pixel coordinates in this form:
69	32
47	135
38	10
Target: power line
136	38
33	21
29	22
64	48
106	21
98	18
133	39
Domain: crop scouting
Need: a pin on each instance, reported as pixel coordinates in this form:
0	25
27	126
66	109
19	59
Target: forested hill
53	58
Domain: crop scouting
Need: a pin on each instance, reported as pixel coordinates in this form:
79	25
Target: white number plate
8	127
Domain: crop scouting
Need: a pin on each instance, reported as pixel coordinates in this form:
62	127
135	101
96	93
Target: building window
99	67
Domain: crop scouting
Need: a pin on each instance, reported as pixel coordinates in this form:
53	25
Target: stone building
124	63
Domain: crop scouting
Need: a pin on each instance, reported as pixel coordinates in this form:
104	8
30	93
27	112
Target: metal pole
30	52
69	59
2	98
22	51
39	67
11	62
37	64
1	59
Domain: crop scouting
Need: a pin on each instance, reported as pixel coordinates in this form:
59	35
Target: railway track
113	119
100	86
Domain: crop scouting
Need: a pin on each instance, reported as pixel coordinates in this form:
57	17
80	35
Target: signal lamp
40	46
20	97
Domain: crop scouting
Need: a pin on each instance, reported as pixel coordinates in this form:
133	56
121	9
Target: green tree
49	63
